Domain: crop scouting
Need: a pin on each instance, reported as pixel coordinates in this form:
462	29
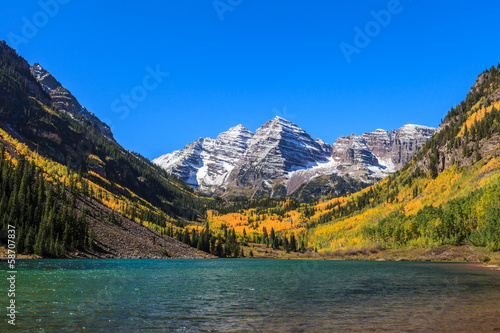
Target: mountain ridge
64	101
116	199
280	157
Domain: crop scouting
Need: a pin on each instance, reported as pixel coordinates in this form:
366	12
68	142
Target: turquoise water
252	295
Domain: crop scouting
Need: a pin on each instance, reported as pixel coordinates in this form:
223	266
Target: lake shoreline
477	258
443	253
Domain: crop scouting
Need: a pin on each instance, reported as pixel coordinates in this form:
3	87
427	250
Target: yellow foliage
477	116
100	177
96	158
345	232
45	107
55	173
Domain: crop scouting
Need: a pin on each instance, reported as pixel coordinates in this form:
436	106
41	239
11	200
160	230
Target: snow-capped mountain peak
280	156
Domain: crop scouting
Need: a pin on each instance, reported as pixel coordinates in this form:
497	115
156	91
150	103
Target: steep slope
63	100
42	122
78	143
57	213
281	160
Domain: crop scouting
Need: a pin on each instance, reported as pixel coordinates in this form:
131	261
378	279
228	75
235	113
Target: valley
246	166
278	188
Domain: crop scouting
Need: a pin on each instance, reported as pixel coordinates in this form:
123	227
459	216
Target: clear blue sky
263	57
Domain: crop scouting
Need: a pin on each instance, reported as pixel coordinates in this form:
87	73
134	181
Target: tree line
47	221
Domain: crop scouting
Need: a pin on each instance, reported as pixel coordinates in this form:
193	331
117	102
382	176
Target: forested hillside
448	194
72	141
54	161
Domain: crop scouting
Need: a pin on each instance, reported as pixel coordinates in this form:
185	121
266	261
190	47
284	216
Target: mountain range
280	158
71	190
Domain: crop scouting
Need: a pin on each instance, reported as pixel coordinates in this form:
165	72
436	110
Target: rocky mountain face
206	163
280	158
380	152
63	100
277	148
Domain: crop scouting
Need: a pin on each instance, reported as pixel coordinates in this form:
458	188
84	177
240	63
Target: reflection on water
254	295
